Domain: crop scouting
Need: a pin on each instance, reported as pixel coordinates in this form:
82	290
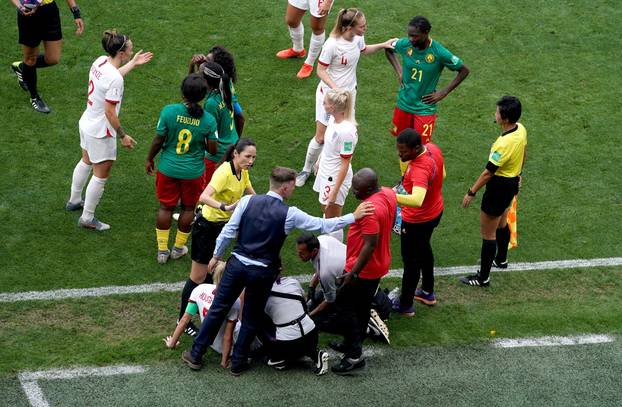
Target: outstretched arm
388	44
140	58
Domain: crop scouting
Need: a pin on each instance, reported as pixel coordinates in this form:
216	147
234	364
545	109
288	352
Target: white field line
553	341
35	395
304	278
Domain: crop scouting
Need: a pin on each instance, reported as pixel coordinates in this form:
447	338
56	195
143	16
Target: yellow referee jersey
508	152
229	189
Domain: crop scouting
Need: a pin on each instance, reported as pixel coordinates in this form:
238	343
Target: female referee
337	69
184	131
502	177
35	25
334	175
99	125
229	183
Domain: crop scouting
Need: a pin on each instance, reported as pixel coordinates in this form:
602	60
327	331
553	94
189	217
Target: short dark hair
309	240
281	175
510	108
409	137
421	23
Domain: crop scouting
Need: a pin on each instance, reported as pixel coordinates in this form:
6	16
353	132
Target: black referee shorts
204	234
499	194
43	25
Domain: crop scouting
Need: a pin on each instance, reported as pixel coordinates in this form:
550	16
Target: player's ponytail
194	89
342	100
346	18
113	42
240	146
217	79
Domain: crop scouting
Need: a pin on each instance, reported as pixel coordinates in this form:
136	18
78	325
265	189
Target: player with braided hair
225	59
219	103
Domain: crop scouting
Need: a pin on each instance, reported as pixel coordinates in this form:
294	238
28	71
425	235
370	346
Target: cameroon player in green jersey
423	60
183	133
219	103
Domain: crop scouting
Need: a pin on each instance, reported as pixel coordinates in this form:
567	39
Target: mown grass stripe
303	278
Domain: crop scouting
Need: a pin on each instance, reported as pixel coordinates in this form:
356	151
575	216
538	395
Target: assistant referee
502	177
35	25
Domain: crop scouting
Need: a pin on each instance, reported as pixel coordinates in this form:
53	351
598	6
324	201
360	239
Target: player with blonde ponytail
337	69
334	175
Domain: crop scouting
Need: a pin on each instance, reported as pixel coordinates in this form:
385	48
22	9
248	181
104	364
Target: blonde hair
346	18
341	99
217	272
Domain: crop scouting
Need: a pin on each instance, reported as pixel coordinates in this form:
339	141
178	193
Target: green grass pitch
561	59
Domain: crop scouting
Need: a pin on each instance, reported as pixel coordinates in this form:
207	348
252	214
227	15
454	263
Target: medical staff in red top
368	257
422	209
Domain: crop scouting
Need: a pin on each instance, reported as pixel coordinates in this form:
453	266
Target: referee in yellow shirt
502	179
230	182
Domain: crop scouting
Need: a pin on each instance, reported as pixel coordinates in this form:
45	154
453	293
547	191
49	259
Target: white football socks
78	181
315	46
313	152
298	36
93	195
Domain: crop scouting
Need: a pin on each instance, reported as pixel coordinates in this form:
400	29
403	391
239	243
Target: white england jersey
203	296
341	57
105	85
339	141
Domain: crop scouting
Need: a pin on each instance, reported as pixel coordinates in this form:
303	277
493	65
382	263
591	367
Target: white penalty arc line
553	341
34	393
304	278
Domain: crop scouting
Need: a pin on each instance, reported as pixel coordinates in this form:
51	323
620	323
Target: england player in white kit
200	302
99	125
334	174
337	69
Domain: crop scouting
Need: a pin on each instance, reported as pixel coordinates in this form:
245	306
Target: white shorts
320	114
312	5
99	149
323	186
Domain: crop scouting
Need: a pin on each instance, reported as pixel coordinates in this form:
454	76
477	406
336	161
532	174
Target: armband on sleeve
492	168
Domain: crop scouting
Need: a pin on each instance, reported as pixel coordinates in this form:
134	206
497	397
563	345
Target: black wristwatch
470	193
222	206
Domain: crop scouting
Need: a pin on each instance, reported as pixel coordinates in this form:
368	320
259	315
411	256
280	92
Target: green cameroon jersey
227	134
184	141
421	70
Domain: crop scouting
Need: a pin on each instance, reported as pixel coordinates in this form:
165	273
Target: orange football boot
305	71
290	53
